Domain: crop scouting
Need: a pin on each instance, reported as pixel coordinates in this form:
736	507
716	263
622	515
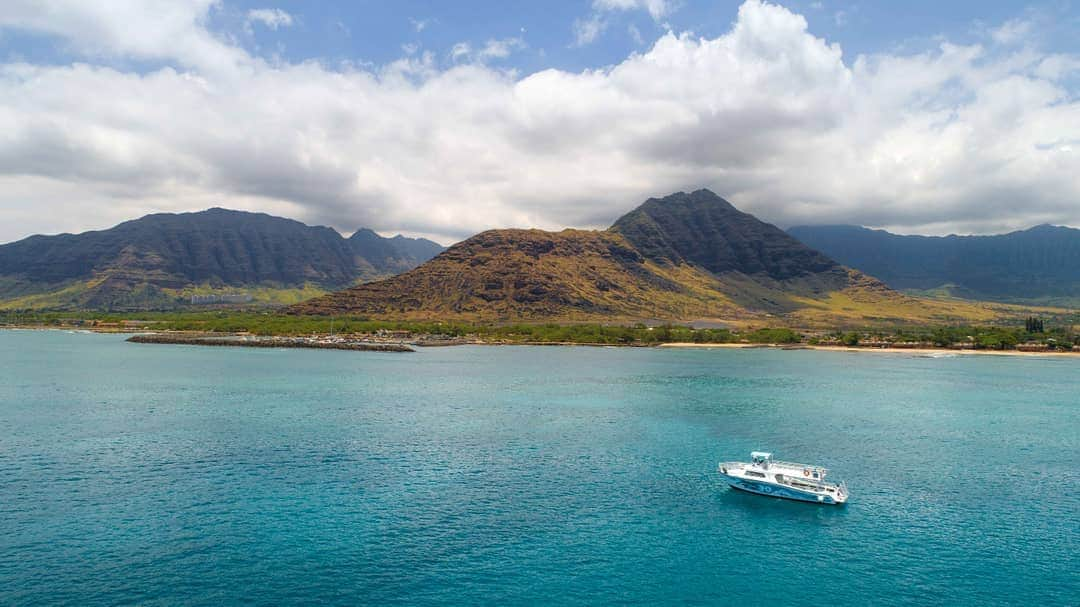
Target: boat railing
798	466
809	482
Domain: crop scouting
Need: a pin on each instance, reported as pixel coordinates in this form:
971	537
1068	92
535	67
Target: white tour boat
800	482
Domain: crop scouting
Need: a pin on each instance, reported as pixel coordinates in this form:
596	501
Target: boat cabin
760	458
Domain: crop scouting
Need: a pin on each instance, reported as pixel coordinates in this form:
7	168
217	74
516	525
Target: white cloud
658	9
635	34
500	49
272	18
419	24
460	51
962	138
1011	31
587	30
493	49
143	29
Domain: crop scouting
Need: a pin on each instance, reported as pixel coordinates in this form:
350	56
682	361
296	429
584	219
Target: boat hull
773	490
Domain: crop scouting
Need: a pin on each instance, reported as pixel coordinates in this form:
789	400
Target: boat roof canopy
760	454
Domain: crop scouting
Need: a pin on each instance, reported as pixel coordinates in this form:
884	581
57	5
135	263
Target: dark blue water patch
143	474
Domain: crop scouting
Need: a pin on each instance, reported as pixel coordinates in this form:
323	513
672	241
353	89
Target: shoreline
925	351
286	341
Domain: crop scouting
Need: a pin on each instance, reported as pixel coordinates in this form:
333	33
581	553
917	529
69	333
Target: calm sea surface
146	474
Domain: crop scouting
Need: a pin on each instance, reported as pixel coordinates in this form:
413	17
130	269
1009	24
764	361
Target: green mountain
703	229
683	257
379	256
159	259
1038	265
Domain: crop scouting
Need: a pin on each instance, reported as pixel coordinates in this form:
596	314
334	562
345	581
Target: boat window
752	473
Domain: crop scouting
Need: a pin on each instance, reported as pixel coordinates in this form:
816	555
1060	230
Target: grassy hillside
99	294
532	274
578	276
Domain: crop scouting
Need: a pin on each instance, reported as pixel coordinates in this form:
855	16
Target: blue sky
379	32
441	119
375	31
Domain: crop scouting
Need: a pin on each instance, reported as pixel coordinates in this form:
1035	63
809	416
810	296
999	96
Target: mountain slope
1041	264
528	274
684	257
137	263
746	254
703	229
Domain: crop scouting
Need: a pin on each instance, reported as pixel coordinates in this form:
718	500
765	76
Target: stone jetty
269	342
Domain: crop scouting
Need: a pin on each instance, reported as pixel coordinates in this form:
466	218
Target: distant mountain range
1039	265
682	257
155	261
687	256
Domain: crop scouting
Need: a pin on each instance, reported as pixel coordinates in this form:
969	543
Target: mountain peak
1049	228
703	229
701	197
684	256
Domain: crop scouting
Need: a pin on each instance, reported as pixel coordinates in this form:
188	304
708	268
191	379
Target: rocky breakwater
316	343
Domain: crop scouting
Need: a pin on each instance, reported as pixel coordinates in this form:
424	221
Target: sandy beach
916	351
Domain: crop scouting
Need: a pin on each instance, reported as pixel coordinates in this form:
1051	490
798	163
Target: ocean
165	475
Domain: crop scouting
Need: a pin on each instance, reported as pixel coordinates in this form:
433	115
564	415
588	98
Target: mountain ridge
216	248
1038	265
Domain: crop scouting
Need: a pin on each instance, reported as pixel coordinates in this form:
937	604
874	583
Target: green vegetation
269	323
981	338
1033	325
772	336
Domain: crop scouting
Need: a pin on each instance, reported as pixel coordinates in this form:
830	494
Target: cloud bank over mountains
161	114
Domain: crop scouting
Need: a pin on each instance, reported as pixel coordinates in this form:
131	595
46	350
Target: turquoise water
143	474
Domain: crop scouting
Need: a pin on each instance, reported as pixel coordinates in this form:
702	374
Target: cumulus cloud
959	138
141	29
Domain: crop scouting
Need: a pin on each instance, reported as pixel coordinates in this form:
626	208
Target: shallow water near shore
150	474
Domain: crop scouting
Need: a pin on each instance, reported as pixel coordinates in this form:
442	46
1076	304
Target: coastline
923	351
230	339
269	342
